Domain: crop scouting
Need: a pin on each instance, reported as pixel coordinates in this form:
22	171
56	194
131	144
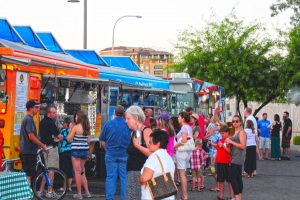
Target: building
149	60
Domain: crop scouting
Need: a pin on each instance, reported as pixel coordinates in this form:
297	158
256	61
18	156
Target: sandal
193	189
214	189
202	187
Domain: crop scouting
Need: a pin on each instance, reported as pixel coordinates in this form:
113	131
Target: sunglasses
235	121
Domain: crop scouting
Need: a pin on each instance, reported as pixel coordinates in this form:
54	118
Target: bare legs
183	183
80	178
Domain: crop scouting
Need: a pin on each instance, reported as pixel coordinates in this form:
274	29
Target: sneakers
51	195
77	196
70	189
40	194
87	195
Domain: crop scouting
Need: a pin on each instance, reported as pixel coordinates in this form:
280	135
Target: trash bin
100	160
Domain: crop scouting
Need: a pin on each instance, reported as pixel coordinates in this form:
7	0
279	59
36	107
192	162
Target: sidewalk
295	147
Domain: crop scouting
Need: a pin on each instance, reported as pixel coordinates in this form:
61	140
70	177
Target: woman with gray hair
137	151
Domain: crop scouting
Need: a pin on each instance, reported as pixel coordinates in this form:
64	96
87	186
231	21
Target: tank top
237	155
80	142
136	159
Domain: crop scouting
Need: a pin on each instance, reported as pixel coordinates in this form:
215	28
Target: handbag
162	186
188	146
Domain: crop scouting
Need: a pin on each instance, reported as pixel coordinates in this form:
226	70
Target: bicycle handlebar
45	149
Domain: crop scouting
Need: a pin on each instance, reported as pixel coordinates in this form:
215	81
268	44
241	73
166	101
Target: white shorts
182	159
264	143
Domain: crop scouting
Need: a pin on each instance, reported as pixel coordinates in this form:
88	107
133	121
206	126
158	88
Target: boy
223	161
65	160
197	161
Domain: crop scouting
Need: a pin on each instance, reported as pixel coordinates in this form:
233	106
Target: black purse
162	186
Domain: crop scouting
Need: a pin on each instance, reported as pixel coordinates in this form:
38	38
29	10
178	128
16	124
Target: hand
228	140
45	149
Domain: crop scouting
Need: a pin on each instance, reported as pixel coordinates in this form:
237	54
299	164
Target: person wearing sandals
79	137
138	151
152	168
182	157
197	161
223	161
237	156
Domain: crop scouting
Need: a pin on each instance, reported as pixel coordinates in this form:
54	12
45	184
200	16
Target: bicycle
42	185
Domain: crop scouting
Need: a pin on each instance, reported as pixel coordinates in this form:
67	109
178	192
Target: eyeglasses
235	121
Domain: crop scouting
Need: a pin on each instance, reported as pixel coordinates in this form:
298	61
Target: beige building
150	60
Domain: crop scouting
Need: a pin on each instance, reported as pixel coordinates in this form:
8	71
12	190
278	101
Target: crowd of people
139	145
69	151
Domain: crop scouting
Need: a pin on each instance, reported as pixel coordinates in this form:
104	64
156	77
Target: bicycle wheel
42	191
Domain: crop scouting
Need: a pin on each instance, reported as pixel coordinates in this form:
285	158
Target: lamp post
113	36
84	21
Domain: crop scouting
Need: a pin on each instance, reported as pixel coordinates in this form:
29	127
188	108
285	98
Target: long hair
175	124
84	121
168	125
276	118
249	124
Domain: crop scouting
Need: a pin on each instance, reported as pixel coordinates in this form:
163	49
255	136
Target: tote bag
188	146
162	186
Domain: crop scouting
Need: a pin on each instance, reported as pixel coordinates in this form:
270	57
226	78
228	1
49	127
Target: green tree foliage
294	55
284	5
237	57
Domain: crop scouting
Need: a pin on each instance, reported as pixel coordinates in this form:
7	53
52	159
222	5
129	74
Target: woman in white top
252	139
182	157
157	144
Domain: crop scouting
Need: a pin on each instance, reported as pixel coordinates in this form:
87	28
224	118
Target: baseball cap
224	129
196	116
31	104
164	116
119	110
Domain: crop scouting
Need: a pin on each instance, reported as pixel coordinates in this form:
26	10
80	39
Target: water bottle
48	181
138	135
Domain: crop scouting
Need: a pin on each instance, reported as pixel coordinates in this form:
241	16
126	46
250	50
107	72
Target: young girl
197	164
65	161
165	125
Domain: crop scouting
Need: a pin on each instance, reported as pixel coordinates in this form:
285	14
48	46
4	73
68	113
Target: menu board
21	99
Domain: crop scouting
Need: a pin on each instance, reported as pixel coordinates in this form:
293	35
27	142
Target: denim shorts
82	154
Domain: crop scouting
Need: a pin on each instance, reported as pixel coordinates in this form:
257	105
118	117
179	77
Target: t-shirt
263	125
170	145
250	117
222	157
276	129
153	163
250	137
286	124
116	135
27	126
64	145
48	131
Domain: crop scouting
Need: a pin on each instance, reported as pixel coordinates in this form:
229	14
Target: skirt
250	161
275	147
133	186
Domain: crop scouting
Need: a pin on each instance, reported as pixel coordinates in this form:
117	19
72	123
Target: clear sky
159	27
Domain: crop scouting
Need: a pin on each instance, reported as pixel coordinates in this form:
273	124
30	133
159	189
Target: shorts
82	154
52	158
65	163
286	141
182	160
264	143
222	172
29	163
197	173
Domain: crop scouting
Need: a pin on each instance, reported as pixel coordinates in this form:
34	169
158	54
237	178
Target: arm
288	131
146	175
242	144
183	140
143	150
196	134
72	133
209	132
36	141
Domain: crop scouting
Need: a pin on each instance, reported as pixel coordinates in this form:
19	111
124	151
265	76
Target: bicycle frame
43	165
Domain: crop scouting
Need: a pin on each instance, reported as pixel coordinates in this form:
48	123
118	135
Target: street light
84	21
113	36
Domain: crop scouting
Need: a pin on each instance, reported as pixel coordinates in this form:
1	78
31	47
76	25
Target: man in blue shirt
264	136
115	138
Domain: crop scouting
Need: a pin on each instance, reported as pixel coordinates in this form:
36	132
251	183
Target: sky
158	28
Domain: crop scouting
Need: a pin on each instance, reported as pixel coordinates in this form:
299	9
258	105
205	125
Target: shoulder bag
188	146
162	186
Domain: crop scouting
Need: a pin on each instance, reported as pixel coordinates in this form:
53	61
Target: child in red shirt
197	161
223	161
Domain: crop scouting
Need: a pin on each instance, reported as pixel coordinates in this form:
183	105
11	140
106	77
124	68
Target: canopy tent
124	62
8	32
50	42
29	36
87	56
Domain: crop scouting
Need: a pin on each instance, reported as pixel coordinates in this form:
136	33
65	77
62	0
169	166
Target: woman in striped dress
80	138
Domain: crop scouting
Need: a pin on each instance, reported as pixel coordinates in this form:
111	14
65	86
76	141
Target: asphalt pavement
275	180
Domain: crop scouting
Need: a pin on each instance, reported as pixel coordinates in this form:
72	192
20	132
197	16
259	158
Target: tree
283	5
237	57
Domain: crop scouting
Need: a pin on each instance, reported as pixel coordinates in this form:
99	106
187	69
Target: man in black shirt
50	136
29	143
286	136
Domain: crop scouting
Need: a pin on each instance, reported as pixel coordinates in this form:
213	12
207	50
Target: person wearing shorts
223	161
29	143
264	136
286	136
